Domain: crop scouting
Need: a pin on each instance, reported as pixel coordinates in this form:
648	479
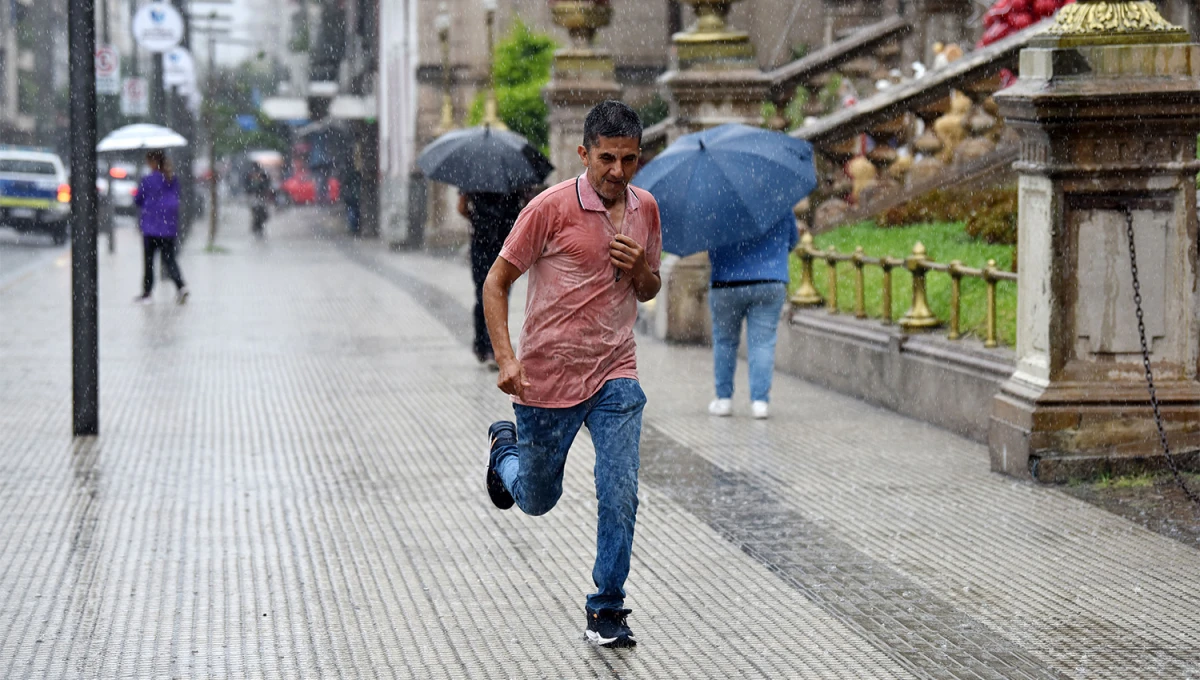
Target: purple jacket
159	201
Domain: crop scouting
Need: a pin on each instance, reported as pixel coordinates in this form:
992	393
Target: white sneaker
760	409
182	296
143	300
721	407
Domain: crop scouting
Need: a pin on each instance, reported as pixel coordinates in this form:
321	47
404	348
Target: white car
117	182
35	192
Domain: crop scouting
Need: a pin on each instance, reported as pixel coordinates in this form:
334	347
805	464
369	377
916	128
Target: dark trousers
167	245
352	214
483	254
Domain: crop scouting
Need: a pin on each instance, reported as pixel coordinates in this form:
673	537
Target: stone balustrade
919	316
938	130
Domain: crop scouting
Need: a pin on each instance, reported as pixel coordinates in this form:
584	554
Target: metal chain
1137	302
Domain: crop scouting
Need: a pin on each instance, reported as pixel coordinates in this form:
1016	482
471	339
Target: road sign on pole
135	97
179	69
158	27
108	70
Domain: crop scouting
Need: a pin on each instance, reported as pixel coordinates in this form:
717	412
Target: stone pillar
1108	123
583	77
713	80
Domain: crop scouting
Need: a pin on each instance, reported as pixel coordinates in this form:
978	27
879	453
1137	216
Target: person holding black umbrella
592	246
492	169
492	216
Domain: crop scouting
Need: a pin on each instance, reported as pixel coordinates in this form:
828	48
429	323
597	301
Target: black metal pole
85	352
158	96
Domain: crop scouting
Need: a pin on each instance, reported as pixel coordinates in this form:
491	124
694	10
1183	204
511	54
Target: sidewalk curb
26	270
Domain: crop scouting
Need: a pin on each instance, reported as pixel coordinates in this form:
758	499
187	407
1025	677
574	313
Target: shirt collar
590	200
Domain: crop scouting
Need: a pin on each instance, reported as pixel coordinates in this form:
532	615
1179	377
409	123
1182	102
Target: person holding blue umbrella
748	284
729	190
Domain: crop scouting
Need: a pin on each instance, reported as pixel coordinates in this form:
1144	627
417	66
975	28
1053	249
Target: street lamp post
489	108
85	353
442	23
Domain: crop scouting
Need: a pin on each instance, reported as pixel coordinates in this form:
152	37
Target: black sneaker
607	628
501	431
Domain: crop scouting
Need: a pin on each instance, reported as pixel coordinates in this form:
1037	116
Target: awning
285	108
346	107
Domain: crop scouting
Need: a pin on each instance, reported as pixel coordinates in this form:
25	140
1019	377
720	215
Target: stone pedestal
713	80
1104	128
583	76
681	309
581	79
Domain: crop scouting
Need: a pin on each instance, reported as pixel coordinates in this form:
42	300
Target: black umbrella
481	159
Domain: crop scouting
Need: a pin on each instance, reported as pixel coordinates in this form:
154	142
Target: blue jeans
532	471
759	304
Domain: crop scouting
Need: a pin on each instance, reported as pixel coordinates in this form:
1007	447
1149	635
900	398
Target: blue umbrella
726	184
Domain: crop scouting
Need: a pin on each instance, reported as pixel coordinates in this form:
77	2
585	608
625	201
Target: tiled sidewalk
289	484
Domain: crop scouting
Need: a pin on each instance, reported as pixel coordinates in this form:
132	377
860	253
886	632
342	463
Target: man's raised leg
530	465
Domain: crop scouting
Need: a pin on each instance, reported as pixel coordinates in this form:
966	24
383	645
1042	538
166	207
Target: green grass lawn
943	243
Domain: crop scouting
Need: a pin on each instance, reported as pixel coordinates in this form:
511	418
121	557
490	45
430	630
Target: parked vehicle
35	193
117	182
301	189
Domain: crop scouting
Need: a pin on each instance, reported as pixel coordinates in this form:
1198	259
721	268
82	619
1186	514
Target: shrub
988	214
522	67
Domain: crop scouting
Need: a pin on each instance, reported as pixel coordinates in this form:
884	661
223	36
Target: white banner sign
179	70
108	70
158	27
135	97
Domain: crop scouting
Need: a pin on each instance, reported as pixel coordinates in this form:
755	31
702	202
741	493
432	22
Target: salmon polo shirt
579	315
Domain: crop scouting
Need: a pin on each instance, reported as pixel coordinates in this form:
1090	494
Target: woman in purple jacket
158	197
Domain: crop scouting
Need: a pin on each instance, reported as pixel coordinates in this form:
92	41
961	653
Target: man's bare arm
512	379
646	285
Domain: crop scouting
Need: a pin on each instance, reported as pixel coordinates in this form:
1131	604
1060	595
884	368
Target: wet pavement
289	483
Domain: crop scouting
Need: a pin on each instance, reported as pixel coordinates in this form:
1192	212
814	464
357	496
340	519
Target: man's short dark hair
611	118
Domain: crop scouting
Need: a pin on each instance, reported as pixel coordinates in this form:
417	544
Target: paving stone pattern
289	484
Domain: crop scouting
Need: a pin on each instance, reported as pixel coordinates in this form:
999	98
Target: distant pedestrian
748	283
591	246
351	196
158	198
258	190
492	217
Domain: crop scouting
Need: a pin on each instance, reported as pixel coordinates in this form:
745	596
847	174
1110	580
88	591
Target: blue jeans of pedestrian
532	471
759	306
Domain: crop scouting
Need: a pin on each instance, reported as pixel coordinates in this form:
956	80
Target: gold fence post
860	302
919	316
989	275
806	295
831	302
886	264
955	298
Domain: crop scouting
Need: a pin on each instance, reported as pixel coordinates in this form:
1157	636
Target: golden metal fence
919	316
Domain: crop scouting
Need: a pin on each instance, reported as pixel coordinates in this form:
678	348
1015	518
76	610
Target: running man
592	246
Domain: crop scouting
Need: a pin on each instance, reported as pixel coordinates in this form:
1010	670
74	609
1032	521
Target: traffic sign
158	27
179	69
108	70
135	97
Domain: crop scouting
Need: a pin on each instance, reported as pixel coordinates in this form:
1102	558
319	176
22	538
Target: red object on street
301	188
